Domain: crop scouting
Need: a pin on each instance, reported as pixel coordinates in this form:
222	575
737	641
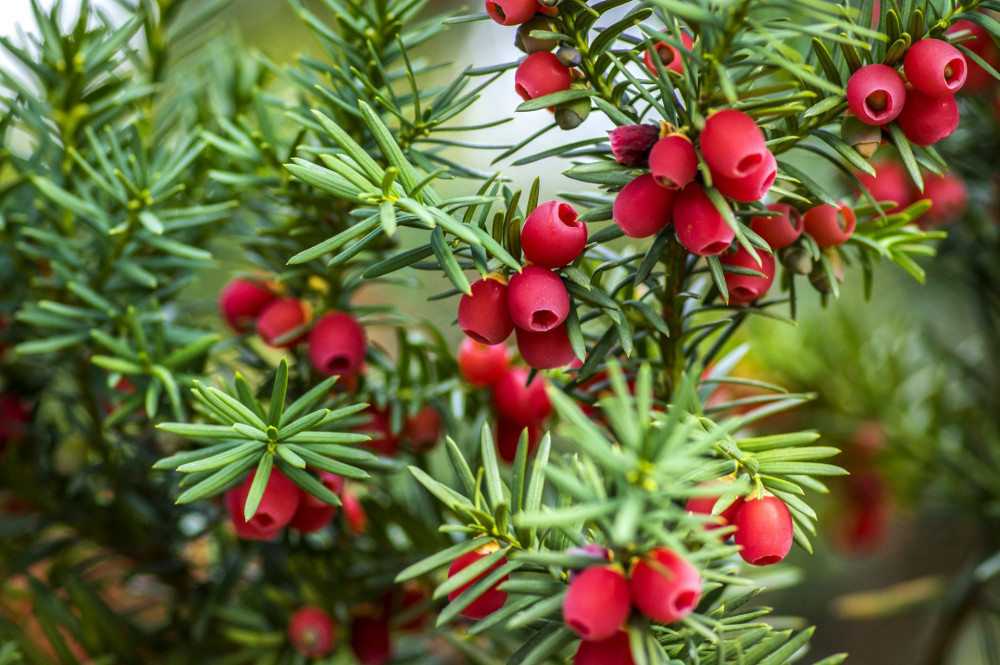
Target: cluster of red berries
763	525
946	192
535	302
923	105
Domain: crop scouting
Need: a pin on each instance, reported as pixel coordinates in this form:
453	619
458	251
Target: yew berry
508	437
744	289
597	603
312	632
379	428
483	315
423	429
829	226
276	509
370	640
673	161
613	651
511	12
925	120
642	207
703	505
241	301
751	187
278	320
541	74
354	510
545	350
490	600
948	197
552	236
780	231
763	530
876	94
732	144
519	400
700	226
935	67
630	144
337	344
481	364
313	514
890	183
668	54
982	44
537	299
665	586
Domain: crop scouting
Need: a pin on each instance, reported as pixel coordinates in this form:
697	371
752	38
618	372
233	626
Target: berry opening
543	320
476	337
519	89
497	9
685	601
567	215
263	520
743	293
766	560
665	53
749	163
878	101
338	364
579	628
714	248
664	181
841	221
954	70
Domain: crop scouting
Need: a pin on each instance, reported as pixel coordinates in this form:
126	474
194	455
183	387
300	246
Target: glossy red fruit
370	640
482	365
630	144
508	436
276	509
379	428
280	318
512	12
642	207
537	299
977	79
241	301
699	225
702	505
519	400
665	586
948	197
752	187
829	226
312	632
597	603
732	144
668	54
15	419
613	651
925	120
423	429
744	289
673	161
541	74
890	183
545	350
490	600
313	514
552	236
483	316
763	530
337	344
935	67
876	94
779	232
354	511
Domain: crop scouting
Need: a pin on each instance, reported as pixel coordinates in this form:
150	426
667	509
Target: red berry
948	197
700	227
423	429
511	12
481	364
370	640
552	237
981	43
630	144
483	316
744	289
613	651
15	419
751	187
520	401
313	514
508	436
242	301
280	318
642	207
354	511
673	161
829	226
732	144
312	632
876	94
492	599
379	428
669	55
537	299
703	505
763	530
337	344
545	350
890	183
541	74
935	68
597	603
665	586
276	509
926	120
779	232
